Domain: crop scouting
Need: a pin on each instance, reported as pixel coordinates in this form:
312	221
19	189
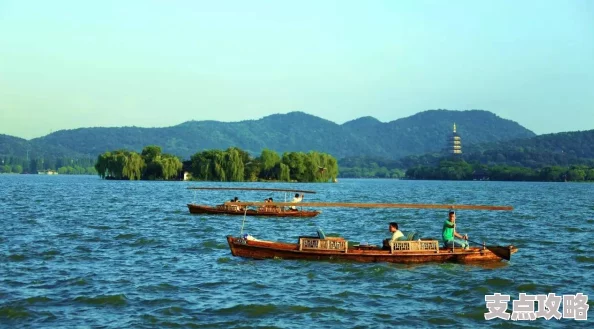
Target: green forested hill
560	149
296	131
427	131
566	148
18	147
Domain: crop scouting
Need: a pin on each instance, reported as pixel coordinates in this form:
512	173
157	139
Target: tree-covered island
230	165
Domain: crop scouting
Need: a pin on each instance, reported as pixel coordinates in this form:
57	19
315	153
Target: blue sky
70	64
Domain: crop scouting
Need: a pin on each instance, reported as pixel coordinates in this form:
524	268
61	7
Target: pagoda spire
455	143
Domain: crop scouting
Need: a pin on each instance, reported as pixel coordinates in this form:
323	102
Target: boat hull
199	209
267	249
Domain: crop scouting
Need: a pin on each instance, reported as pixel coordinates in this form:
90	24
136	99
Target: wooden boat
250	209
332	248
236	210
314	248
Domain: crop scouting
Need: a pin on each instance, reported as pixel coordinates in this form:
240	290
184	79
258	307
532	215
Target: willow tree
199	166
171	166
133	166
120	164
149	153
116	163
252	170
332	167
269	161
209	165
285	173
101	164
327	167
234	167
217	166
311	167
297	165
154	168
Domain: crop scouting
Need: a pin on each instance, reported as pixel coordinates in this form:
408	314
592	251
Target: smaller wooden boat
267	209
329	248
262	211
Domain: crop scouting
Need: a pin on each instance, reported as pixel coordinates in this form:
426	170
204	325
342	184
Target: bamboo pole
250	189
372	205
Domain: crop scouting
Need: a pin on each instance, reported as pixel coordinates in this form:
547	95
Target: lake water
77	251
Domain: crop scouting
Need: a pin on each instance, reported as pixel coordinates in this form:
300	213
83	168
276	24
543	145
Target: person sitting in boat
451	238
265	206
397	235
297	198
234	207
273	208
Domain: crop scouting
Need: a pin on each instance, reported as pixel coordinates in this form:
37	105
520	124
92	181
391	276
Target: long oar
502	252
375	205
250	189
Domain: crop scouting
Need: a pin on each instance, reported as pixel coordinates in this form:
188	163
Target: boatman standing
451	238
297	198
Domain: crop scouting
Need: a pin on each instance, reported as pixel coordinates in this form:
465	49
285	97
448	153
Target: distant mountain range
296	131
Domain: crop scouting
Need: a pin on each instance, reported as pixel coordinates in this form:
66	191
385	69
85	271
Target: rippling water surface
83	252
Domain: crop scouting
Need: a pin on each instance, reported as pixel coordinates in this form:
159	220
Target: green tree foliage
370	167
151	152
76	170
285	173
17	169
171	166
577	174
133	166
209	165
269	162
236	165
158	165
252	170
553	174
101	165
297	162
152	158
151	164
590	175
269	159
22	164
116	164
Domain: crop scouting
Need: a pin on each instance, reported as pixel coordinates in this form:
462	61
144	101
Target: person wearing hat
451	238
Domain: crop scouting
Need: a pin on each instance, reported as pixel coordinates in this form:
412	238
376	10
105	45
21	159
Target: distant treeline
230	165
63	165
236	165
370	167
576	155
512	156
461	170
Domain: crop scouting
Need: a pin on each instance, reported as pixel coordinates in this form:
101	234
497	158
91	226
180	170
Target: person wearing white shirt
297	198
396	233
